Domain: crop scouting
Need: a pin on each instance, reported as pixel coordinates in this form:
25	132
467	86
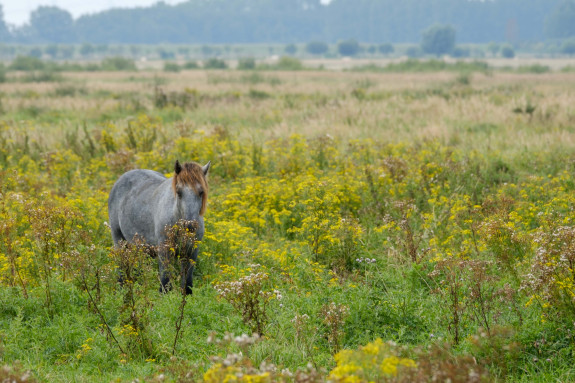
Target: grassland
413	225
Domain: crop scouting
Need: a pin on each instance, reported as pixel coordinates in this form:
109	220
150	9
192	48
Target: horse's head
191	191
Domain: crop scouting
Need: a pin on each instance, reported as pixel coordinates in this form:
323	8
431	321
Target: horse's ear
206	168
177	167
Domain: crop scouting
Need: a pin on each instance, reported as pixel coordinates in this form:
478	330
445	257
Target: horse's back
131	203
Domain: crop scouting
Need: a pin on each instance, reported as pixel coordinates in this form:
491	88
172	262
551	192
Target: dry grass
395	107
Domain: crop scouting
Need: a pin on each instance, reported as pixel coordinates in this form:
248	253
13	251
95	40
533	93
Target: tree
568	47
508	52
438	40
493	47
290	49
386	48
348	47
87	50
316	47
561	23
4	32
52	24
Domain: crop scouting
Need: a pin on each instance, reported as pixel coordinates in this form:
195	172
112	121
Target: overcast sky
18	11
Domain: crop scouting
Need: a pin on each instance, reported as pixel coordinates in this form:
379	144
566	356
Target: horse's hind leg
117	235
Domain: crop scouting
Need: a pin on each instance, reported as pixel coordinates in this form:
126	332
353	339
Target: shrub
27	63
316	48
247	63
215	63
118	64
460	52
190	65
385	48
413	52
508	52
171	67
438	40
348	47
290	49
568	47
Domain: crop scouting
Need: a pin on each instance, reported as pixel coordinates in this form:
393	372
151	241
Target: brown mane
192	174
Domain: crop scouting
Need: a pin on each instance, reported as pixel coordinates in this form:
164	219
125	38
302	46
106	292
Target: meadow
361	226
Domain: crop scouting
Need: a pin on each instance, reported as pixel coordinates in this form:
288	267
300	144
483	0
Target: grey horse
144	203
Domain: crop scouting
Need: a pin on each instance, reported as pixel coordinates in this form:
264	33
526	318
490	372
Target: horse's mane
192	174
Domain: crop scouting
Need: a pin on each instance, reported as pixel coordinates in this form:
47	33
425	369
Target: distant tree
372	49
413	52
348	47
51	50
290	49
52	24
316	48
35	52
460	52
493	47
27	63
87	50
508	52
438	40
4	32
215	63
67	51
561	22
568	47
247	63
385	48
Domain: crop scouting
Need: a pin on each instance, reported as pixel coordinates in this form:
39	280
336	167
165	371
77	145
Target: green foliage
290	49
284	63
215	63
316	47
118	64
27	63
561	22
171	67
348	47
568	47
248	63
508	52
385	49
413	65
438	40
457	244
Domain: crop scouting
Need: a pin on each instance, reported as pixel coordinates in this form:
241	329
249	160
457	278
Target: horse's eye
201	193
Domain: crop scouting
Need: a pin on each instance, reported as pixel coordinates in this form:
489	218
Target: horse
145	204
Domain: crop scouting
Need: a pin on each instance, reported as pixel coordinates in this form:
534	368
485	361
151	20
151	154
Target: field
386	227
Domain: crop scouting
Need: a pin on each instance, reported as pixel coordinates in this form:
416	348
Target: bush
438	40
247	63
171	67
316	48
386	48
460	52
215	63
290	49
508	52
413	52
27	63
348	47
284	63
118	64
190	65
568	47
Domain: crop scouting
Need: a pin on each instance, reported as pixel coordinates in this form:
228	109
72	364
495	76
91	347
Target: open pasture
366	226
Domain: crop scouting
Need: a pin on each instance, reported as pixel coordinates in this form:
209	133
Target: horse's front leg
187	265
163	266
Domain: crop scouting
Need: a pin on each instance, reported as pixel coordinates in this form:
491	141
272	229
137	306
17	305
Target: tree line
288	21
